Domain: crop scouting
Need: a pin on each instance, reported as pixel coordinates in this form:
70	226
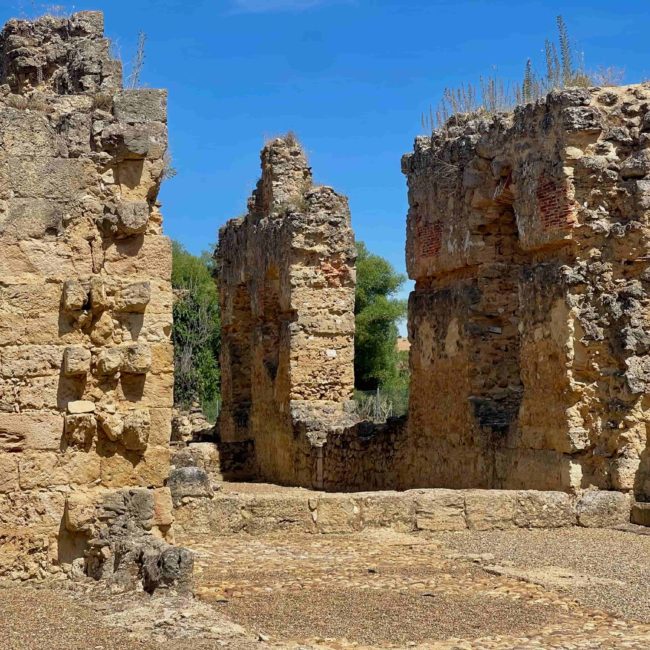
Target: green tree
377	312
197	330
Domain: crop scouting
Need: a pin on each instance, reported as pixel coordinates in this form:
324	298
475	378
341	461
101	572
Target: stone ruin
527	241
287	278
86	370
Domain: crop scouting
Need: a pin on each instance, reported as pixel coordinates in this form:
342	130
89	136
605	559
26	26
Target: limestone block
39	469
81	406
141	105
136	469
80	429
137	426
27	133
29	360
148	256
112	424
383	509
98	296
37	431
536	509
440	510
221	515
74	296
161	426
266	513
132	217
490	509
102	330
134	297
163	514
8	473
640	514
603	509
337	514
32	219
637	165
80	512
109	361
162	358
157	390
189	482
50	178
76	361
136	359
31	508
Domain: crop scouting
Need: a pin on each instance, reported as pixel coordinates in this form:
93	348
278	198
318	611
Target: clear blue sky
350	77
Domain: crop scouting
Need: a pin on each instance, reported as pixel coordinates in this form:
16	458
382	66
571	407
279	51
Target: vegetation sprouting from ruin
196	331
563	67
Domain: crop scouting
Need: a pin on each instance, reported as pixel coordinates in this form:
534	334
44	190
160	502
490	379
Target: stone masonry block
337	514
109	361
383	509
490	509
30	431
141	105
76	361
133	217
640	514
544	509
603	509
136	359
134	297
8	473
74	296
440	510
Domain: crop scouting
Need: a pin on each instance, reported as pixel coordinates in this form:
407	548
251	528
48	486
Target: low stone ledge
259	512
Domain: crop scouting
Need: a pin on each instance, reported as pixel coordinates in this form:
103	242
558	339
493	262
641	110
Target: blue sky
350	77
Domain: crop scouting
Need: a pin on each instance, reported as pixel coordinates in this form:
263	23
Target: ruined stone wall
86	371
286	273
527	240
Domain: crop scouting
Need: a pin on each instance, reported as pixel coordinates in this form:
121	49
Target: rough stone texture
287	277
259	509
527	240
126	546
85	296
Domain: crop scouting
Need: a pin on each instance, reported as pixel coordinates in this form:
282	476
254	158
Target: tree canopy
197	330
377	313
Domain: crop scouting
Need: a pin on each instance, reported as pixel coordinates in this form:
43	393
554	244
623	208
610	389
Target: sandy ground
569	588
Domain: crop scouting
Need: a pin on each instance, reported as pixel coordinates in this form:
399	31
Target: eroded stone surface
85	301
287	277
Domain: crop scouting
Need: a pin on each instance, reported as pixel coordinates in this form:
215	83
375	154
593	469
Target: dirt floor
568	588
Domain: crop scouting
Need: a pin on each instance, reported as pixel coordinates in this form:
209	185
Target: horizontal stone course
279	509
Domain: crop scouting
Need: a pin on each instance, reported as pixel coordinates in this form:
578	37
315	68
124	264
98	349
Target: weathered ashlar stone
136	359
80	248
109	361
76	361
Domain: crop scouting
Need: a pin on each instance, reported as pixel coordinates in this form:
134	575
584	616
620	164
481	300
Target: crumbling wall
286	273
85	295
527	239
